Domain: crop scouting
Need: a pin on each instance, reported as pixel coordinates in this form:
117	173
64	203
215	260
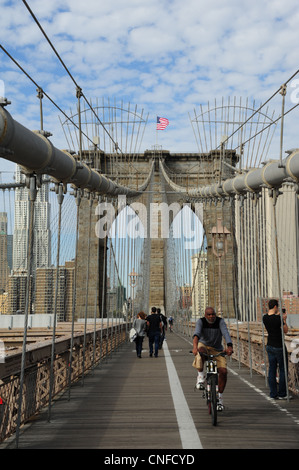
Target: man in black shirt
154	326
272	322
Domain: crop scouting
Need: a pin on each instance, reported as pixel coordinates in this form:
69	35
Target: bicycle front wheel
213	382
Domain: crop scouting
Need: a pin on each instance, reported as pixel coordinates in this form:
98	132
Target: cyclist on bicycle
207	339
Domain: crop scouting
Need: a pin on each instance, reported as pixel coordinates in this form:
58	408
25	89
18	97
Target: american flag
162	123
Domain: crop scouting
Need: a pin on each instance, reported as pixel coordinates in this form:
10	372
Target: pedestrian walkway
151	403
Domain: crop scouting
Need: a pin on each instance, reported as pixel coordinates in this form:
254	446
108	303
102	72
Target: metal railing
86	354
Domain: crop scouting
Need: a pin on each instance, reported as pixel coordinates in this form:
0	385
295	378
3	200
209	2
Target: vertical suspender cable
283	91
40	95
111	279
241	297
78	95
96	305
32	198
264	289
104	275
78	202
59	191
297	234
249	275
107	298
112	270
259	287
213	258
123	219
250	268
128	270
186	264
123	297
181	264
86	286
119	290
245	258
225	263
274	196
184	251
219	300
245	280
236	287
118	287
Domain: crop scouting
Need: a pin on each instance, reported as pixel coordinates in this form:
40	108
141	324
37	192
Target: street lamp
133	281
219	245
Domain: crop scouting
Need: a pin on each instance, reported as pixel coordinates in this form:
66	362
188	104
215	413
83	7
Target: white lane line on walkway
187	429
260	392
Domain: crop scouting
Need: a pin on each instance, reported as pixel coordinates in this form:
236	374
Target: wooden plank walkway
129	403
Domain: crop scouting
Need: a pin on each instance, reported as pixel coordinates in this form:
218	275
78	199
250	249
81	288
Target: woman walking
140	326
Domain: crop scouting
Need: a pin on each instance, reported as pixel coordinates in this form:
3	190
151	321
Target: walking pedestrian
140	326
275	350
154	326
164	327
170	321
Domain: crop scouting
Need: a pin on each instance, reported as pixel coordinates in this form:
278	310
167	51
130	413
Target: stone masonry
187	170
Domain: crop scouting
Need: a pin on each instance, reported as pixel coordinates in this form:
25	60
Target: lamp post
219	245
133	281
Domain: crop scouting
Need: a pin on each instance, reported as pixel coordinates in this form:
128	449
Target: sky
169	58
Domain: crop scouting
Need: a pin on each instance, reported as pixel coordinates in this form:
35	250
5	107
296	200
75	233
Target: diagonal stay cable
69	73
145	184
271	124
37	85
262	105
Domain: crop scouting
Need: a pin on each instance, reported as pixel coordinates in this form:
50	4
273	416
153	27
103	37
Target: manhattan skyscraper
42	232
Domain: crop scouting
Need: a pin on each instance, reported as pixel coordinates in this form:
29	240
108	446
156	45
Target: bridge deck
150	403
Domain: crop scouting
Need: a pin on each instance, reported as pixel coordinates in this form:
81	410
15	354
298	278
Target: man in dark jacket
154	328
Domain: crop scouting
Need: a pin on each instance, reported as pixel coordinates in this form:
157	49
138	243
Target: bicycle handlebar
221	353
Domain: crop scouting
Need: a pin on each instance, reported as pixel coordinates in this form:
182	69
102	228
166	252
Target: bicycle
211	385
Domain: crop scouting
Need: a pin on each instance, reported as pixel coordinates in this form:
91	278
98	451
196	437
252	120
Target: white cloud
166	56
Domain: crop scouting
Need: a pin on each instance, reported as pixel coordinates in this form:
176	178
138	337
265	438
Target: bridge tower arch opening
184	245
128	253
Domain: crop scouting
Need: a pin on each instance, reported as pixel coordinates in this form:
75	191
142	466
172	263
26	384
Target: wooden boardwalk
150	403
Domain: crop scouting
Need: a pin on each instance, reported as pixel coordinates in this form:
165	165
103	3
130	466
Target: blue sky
168	57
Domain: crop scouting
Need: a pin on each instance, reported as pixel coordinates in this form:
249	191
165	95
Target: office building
41	232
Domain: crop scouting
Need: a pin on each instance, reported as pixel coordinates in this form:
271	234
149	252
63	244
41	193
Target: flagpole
163	123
